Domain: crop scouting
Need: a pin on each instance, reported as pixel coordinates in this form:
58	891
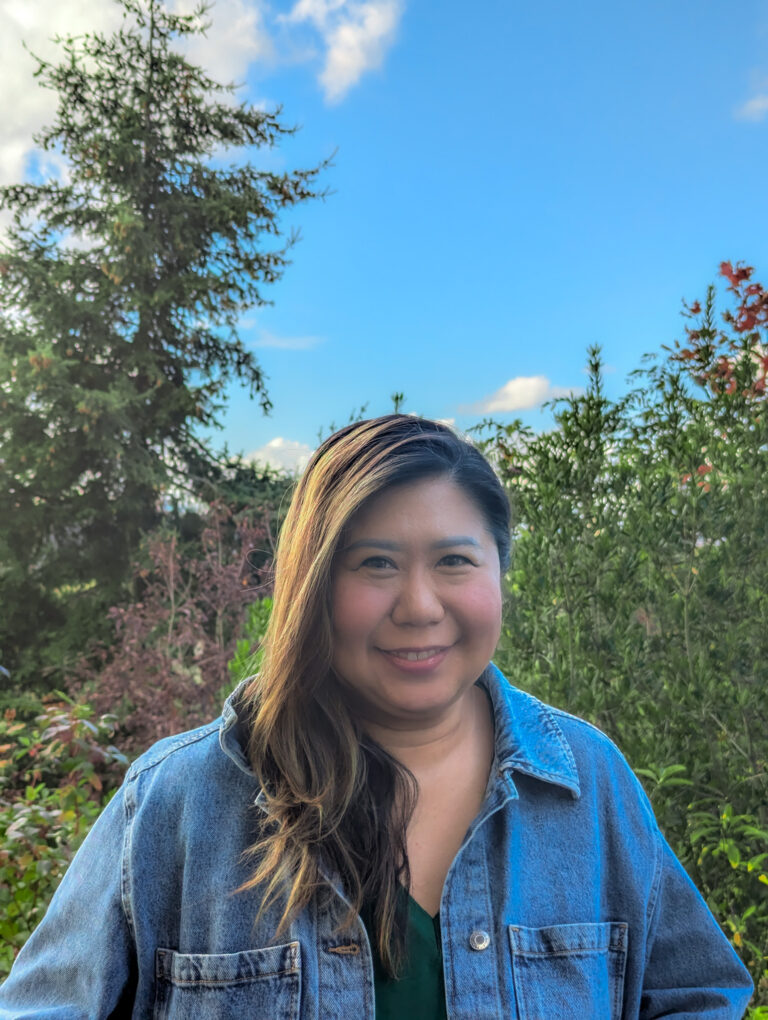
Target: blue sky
511	184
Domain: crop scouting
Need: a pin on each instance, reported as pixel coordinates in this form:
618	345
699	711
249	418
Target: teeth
417	656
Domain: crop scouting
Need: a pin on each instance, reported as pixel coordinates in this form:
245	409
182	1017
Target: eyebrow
442	543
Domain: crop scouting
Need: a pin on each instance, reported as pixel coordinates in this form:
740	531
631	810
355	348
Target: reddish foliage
735	275
63	747
730	363
701	470
752	310
167	667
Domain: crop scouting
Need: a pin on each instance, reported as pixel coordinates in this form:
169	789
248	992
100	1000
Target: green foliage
738	840
44	632
56	774
122	288
247	658
638	598
243	485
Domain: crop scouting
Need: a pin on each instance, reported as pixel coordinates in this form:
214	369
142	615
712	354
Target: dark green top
420	991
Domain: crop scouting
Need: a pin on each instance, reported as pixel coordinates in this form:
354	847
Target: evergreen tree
121	287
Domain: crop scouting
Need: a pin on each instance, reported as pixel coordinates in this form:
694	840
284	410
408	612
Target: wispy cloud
286	343
356	36
283	454
754	109
519	394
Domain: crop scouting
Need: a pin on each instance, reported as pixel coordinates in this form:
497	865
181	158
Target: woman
379	824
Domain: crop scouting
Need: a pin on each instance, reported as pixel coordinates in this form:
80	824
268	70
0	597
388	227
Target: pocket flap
227	968
559	939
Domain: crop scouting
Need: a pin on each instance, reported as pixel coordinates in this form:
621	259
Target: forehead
432	505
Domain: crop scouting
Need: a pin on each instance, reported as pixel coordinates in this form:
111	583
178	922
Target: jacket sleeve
691	970
79	961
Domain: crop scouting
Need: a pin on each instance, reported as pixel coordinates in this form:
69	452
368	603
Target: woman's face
416	607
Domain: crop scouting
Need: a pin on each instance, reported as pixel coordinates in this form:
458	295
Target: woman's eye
455	560
377	563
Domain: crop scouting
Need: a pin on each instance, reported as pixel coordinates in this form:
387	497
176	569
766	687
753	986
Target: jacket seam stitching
139	767
584	723
653	899
561	738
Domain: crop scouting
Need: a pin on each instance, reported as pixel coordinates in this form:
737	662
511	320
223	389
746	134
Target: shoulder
585	739
179	751
190	767
185	798
605	775
548	743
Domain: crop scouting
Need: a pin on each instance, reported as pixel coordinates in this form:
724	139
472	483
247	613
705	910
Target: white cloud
32	107
235	39
520	394
754	109
356	34
284	454
316	10
286	343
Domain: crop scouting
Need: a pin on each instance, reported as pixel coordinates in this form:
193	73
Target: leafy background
135	562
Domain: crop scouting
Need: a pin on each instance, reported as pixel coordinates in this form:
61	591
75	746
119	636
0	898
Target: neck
424	745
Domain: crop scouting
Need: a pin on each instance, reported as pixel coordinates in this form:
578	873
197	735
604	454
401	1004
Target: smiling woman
416	605
380	825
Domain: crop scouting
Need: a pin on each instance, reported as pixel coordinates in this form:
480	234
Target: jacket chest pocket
569	970
261	984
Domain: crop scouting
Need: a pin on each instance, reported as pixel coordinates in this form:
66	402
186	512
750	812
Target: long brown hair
337	802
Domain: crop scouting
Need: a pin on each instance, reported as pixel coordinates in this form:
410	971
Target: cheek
481	609
357	609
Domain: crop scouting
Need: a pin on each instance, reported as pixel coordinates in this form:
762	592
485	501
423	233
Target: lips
416	661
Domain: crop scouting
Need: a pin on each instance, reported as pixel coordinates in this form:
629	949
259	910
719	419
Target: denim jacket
564	900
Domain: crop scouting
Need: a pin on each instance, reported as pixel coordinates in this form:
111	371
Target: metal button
479	940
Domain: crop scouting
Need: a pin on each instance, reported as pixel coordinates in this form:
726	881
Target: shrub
247	658
56	774
638	591
167	668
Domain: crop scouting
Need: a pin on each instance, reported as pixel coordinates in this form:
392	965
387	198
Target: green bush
247	657
56	774
638	598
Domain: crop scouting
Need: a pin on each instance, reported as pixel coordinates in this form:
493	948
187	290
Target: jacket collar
528	737
233	732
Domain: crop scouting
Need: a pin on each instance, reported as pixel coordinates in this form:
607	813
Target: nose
417	603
